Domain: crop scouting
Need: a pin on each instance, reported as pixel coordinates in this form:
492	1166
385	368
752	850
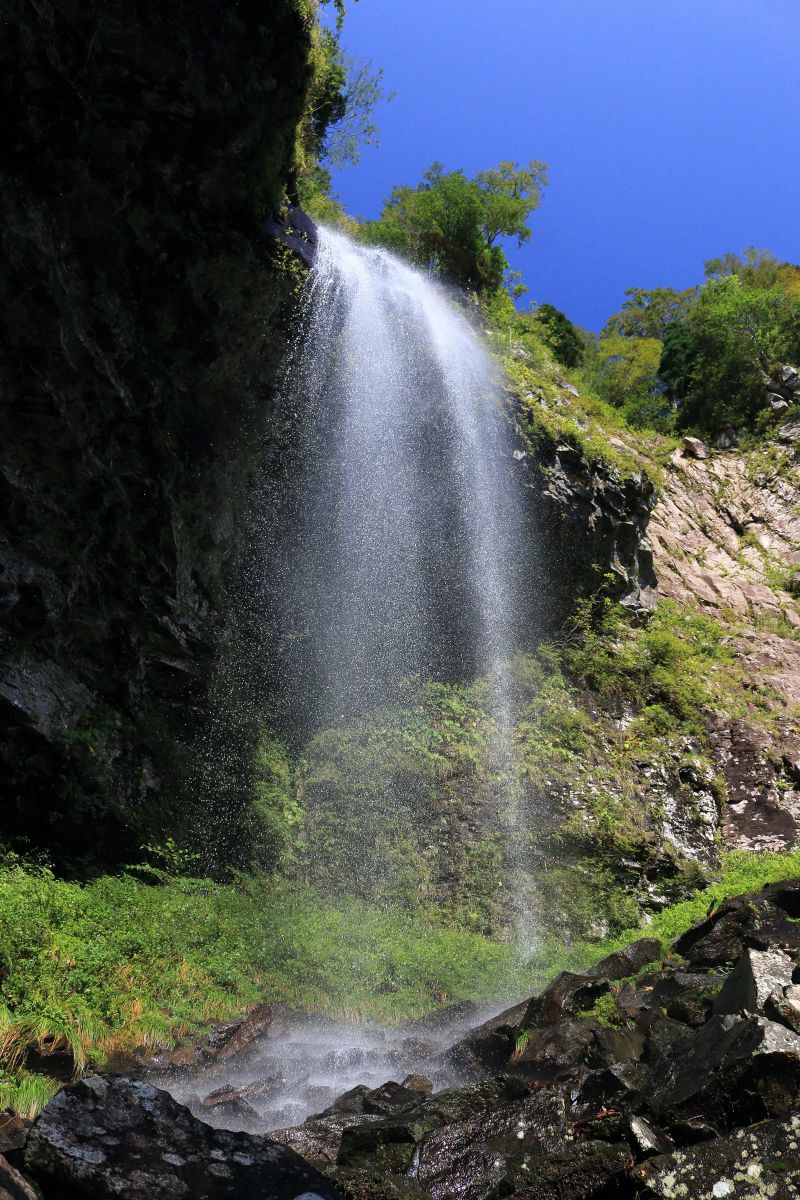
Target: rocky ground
648	1076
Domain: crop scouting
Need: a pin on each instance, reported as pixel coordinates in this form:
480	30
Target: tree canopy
451	224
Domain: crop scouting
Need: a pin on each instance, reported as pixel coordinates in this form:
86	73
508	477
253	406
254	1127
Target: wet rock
13	1131
567	995
751	1163
252	1029
485	1048
649	1139
730	1062
295	230
620	1052
391	1097
554	1051
784	1005
757	974
526	1148
758	920
418	1083
692	1131
351	1101
229	1102
319	1139
114	1137
622	963
694	448
14	1186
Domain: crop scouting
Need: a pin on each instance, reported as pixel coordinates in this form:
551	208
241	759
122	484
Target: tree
339	120
624	372
563	338
755	268
450	224
648	313
713	363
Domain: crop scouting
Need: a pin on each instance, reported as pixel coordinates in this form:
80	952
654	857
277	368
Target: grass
741	871
120	962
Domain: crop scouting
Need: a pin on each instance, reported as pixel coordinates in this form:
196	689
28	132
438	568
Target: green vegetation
120	963
698	359
450	224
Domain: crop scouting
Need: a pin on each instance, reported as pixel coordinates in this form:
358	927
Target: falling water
393	550
409	544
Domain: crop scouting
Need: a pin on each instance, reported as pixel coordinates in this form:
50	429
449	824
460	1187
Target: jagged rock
525	1148
114	1137
319	1139
230	1102
778	407
730	1061
752	1163
117	546
488	1047
622	963
789	377
757	920
784	1005
757	974
252	1029
694	448
585	514
726	439
418	1083
13	1131
295	230
567	995
555	1050
789	432
649	1138
391	1142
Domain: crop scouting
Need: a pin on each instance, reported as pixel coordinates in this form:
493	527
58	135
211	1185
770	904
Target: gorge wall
146	316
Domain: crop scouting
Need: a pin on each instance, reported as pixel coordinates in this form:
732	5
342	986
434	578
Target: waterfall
411	534
400	552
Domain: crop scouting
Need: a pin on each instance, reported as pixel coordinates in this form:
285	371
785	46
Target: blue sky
671	128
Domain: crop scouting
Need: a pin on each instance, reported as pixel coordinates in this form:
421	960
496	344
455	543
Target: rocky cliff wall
144	318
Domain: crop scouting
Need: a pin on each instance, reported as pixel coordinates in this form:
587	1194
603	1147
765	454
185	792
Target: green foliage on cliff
451	225
697	359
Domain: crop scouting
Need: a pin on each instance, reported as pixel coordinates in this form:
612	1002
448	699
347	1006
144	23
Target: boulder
525	1148
789	377
726	439
757	974
649	1138
111	1137
790	432
751	1163
734	1067
694	448
758	919
419	1083
778	407
319	1139
228	1101
628	961
568	995
554	1051
252	1029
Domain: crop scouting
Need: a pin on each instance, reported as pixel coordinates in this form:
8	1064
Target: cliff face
726	535
143	321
